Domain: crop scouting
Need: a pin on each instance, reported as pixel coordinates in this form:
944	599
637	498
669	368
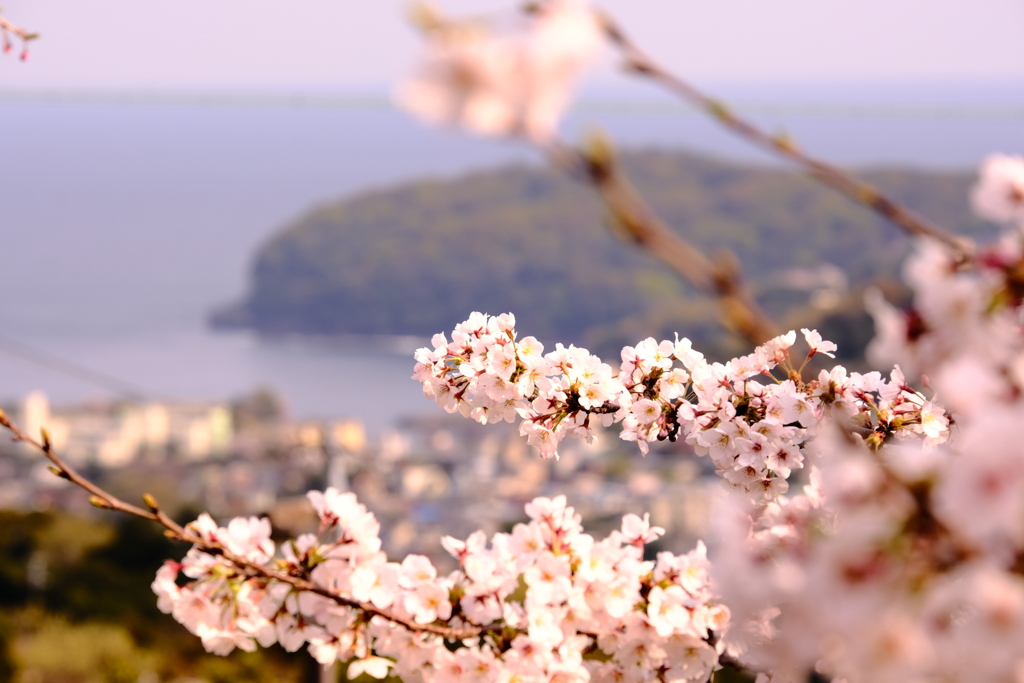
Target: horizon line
644	106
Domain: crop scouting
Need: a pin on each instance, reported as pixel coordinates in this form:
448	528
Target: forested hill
418	258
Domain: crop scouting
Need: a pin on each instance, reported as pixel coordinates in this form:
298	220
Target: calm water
123	224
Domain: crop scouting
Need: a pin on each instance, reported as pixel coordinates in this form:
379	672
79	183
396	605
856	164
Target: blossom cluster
753	430
526	606
999	195
901	562
863	578
508	83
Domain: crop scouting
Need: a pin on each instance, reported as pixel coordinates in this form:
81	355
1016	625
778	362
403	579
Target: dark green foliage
112	582
17	544
418	258
76	607
730	675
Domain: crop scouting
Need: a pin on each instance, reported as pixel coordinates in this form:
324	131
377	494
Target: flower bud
58	472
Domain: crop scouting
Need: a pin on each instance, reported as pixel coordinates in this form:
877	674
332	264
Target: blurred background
221	243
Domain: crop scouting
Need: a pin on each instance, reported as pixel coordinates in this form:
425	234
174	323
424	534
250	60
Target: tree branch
7	28
857	190
598	167
102	499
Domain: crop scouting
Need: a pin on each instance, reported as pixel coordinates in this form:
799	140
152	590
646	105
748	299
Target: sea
126	217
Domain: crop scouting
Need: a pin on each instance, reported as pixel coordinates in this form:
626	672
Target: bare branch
598	166
859	191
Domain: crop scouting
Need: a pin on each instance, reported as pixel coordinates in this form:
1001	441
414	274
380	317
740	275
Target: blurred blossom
999	194
515	83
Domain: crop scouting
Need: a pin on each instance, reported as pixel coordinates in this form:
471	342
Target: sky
336	44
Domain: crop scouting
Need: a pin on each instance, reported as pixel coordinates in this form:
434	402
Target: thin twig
7	28
721	279
859	191
102	499
20	32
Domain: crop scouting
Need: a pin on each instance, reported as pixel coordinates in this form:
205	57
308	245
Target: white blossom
999	193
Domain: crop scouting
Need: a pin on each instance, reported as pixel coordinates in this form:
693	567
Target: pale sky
303	44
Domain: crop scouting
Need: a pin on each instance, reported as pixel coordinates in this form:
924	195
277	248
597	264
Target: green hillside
418	258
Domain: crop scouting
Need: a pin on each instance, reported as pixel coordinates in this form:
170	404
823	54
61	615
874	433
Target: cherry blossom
505	83
646	616
751	423
900	560
999	194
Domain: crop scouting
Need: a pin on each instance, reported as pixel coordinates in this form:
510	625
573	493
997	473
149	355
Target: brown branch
644	227
102	499
857	190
